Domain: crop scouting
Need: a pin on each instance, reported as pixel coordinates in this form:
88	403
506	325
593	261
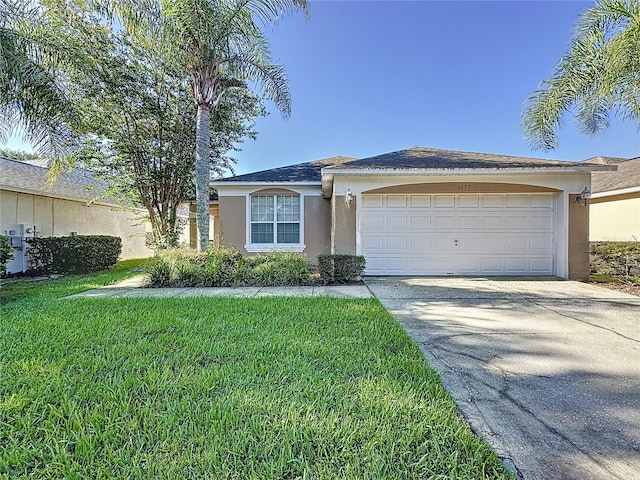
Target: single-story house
420	211
29	206
615	201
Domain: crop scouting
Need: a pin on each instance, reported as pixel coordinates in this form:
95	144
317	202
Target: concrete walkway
546	371
133	287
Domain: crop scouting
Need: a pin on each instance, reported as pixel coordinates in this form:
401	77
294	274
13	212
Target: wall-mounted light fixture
583	197
348	198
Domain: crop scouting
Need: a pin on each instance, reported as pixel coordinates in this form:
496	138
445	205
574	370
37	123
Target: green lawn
315	388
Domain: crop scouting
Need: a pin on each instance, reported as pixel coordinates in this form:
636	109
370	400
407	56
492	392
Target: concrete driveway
546	371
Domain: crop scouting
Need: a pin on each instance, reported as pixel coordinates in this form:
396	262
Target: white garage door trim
458	234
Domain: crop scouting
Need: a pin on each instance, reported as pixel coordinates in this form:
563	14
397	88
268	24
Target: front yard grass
217	388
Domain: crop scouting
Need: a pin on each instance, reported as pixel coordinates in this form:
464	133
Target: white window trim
274	247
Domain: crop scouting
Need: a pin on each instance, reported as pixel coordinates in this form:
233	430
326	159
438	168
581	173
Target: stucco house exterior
615	201
419	211
29	206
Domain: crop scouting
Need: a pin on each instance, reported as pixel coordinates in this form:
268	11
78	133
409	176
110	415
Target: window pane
262	233
288	208
262	209
288	233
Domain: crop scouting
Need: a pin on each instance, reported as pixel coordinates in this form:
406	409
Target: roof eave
612	193
40	193
467	171
222	183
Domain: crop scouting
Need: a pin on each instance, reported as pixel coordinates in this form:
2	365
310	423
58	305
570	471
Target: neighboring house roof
308	172
626	178
25	177
421	158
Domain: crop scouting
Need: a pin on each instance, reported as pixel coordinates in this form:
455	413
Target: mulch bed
631	289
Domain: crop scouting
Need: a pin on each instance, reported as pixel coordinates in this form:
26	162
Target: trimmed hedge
617	260
78	254
6	254
227	268
340	268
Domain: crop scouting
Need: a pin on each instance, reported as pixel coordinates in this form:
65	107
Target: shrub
6	254
227	267
280	269
615	260
78	254
340	268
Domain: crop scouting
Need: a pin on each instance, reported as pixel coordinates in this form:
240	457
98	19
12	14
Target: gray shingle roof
301	172
433	158
627	175
27	178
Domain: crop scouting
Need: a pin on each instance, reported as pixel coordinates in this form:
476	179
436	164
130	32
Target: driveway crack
503	391
584	321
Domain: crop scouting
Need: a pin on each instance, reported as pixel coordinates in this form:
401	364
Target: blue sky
369	77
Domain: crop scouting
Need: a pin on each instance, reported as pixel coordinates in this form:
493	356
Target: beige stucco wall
578	242
317	227
233	222
316	219
344	226
55	217
464	187
615	219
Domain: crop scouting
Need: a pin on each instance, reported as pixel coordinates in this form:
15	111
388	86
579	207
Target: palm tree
599	75
220	45
31	100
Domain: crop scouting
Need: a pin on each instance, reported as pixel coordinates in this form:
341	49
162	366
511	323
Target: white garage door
461	234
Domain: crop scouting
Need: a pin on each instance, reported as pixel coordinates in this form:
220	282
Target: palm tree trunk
203	139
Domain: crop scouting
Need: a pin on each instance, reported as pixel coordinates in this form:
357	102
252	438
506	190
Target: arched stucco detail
462	187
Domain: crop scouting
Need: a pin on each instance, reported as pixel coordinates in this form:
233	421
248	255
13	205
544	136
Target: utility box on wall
17	236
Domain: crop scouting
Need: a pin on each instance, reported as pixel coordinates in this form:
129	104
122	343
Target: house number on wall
464	186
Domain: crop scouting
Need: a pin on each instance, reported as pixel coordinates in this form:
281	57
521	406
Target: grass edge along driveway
223	388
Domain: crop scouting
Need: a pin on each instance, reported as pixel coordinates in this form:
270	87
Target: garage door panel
396	201
372	201
419	201
516	265
516	222
467	234
443	265
421	244
396	265
493	265
446	222
516	244
396	222
444	201
540	265
540	222
375	265
420	222
492	201
468	265
516	201
540	243
492	222
468	201
371	243
467	222
419	264
372	222
540	201
396	243
486	244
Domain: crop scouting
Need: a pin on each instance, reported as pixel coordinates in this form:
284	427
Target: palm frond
598	76
32	102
